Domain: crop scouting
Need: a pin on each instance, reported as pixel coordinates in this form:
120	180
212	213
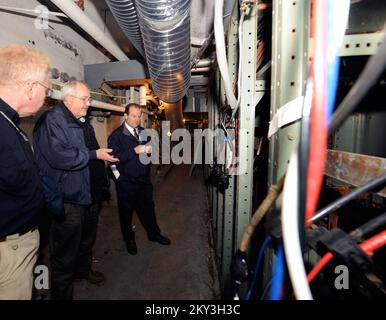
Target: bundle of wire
329	22
329	19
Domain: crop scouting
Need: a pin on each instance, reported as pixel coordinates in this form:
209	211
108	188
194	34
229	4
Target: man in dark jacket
23	88
134	188
100	191
63	156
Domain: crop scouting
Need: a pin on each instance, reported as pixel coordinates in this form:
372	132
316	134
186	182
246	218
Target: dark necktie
136	134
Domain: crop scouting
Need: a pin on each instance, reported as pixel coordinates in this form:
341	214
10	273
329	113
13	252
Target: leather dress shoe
160	239
94	277
131	247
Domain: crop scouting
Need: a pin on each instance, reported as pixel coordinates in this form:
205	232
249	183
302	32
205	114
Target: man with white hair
23	88
63	156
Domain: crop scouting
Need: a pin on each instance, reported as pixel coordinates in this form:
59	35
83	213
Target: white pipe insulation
57	95
83	21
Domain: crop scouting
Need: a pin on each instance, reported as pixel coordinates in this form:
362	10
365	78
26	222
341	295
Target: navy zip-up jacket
61	153
21	192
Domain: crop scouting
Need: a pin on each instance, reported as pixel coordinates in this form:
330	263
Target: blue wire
332	86
258	261
278	275
332	66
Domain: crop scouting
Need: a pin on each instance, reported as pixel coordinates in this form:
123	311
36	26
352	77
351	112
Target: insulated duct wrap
125	14
165	28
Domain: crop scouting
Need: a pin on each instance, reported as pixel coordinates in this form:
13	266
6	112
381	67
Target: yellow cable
269	200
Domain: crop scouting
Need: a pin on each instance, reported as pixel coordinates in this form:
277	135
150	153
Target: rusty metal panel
353	168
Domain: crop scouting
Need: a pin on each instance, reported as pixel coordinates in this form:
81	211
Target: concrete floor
184	270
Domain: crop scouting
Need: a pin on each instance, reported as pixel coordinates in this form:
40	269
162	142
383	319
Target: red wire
374	243
368	246
318	132
319	266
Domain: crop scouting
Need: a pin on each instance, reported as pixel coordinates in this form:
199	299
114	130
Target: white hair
69	89
20	64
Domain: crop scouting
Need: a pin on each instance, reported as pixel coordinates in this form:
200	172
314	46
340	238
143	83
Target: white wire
34	11
240	38
263	69
340	13
289	222
221	52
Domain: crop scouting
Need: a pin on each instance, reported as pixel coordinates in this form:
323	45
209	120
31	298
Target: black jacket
129	166
99	183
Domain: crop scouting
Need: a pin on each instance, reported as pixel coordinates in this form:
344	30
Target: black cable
303	156
265	290
369	228
371	185
368	77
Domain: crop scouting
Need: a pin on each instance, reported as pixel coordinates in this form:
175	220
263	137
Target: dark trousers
71	242
138	197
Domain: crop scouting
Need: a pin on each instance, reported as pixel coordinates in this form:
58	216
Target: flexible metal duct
125	14
165	29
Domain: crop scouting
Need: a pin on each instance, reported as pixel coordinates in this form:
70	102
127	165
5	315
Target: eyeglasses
84	99
49	91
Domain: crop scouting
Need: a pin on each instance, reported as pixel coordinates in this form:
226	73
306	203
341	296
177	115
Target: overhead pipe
196	58
132	95
204	63
33	11
142	95
83	21
165	28
200	70
125	13
57	95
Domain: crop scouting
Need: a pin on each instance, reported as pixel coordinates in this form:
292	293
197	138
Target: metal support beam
213	119
211	107
220	196
229	196
290	34
364	44
96	74
215	190
246	123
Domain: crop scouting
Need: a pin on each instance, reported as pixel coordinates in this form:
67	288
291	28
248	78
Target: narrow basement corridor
184	270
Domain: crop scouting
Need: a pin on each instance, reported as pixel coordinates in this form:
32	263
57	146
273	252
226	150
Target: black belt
2	239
